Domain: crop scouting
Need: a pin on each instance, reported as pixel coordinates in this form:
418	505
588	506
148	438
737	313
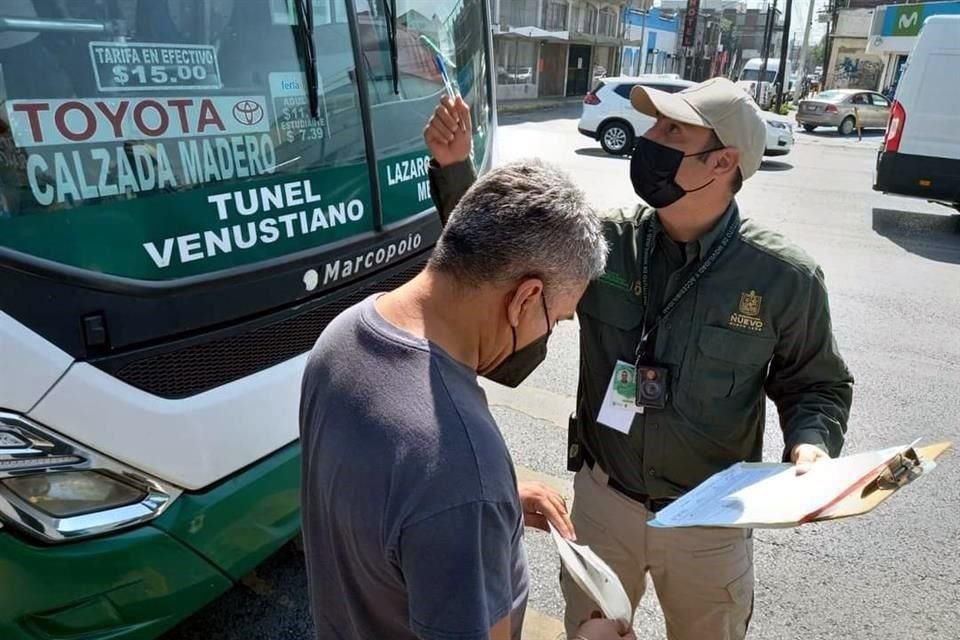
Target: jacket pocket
728	360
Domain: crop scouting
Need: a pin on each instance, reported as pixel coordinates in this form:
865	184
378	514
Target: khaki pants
703	577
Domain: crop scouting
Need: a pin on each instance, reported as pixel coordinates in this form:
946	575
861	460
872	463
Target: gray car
840	108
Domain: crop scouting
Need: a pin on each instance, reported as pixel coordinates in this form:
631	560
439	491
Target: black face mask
518	365
653	172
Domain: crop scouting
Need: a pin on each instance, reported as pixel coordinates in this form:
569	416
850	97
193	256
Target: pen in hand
448	86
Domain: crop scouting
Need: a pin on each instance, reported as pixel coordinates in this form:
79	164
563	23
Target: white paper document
595	577
768	495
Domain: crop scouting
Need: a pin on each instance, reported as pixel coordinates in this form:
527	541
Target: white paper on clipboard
595	577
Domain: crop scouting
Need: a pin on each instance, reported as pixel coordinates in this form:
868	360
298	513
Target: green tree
815	57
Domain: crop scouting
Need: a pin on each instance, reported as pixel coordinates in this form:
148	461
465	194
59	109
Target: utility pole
643	38
828	43
784	52
802	65
767	37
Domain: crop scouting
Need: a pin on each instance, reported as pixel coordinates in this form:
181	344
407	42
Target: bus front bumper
139	583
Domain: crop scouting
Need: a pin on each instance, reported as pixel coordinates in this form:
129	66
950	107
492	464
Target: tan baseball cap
717	104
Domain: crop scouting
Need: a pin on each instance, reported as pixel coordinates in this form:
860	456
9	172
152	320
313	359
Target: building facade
850	66
893	32
650	42
728	33
549	48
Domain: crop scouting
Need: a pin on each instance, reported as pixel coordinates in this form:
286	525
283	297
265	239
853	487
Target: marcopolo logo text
368	260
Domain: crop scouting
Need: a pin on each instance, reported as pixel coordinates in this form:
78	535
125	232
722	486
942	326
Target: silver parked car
840	107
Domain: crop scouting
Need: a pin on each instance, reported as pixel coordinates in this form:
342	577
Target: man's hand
542	505
805	456
602	629
448	132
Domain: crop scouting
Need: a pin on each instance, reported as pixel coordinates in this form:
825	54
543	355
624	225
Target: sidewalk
537	104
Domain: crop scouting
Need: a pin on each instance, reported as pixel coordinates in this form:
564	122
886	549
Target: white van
920	155
750	76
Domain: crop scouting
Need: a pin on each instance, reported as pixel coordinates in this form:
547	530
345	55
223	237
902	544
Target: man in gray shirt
412	519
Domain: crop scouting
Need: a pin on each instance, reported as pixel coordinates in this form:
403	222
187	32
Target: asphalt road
893	271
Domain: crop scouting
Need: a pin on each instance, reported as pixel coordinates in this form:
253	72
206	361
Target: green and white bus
190	191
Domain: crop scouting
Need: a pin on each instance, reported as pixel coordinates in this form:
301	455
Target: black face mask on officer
519	364
653	172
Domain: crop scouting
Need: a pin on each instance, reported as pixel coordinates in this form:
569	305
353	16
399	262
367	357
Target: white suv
609	117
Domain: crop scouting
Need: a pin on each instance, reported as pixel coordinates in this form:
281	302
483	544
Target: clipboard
772	495
901	471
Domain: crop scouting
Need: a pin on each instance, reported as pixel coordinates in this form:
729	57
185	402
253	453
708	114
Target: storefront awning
536	33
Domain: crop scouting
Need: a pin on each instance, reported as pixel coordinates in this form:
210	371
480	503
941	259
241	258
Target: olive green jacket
756	325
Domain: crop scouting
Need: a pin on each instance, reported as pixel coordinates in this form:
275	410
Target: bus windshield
159	139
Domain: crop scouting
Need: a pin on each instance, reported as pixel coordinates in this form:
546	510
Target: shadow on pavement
597	152
271	603
775	165
547	113
832	133
933	236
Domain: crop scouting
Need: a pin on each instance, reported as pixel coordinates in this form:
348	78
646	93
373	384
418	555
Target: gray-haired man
412	518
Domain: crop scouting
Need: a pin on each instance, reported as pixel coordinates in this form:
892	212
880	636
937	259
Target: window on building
590	19
516	61
519	13
555	16
607	23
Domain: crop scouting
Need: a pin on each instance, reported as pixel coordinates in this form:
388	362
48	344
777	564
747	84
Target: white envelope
595	577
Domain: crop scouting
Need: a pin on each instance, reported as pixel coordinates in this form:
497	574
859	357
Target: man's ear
726	161
520	300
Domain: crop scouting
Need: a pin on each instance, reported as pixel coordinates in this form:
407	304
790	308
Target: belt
650	504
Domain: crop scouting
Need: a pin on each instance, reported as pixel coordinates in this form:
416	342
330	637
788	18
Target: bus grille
200	367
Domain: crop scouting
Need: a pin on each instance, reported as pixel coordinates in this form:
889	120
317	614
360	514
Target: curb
504	108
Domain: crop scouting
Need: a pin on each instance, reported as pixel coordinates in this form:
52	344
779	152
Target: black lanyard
731	230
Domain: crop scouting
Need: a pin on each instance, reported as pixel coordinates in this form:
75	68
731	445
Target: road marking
536	403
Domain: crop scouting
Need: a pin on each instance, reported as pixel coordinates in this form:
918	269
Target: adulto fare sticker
291	107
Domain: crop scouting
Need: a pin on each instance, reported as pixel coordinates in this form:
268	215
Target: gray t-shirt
412	523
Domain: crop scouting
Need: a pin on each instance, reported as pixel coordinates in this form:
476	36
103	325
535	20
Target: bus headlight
63	494
58	490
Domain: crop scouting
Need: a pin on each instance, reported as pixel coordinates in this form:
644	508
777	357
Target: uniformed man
715	312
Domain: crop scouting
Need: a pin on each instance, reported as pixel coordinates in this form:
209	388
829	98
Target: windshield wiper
390	13
304	33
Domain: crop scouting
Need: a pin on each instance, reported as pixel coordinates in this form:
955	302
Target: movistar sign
906	20
909	22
